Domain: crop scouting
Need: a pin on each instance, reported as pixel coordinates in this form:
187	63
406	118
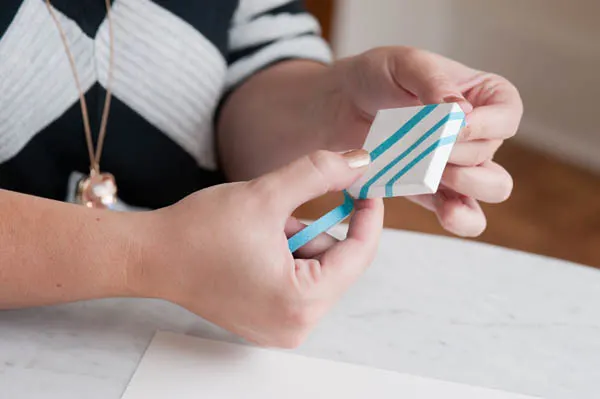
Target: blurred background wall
550	49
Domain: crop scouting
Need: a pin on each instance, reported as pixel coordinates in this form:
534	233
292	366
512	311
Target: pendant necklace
98	189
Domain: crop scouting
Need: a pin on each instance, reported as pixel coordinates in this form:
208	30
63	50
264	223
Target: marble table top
430	306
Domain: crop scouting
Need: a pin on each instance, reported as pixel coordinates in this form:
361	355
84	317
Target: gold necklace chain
93	155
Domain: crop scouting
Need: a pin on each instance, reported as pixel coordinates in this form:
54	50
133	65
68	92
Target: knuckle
508	86
507	83
315	270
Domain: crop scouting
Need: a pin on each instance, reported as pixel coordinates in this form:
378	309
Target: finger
315	247
376	88
488	182
308	274
310	177
490	123
473	153
459	214
424	200
488	89
346	260
422	74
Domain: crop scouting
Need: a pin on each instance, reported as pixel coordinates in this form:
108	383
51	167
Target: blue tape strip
389	187
321	225
364	191
407	127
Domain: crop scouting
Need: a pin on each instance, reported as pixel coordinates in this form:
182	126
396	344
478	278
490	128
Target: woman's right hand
222	252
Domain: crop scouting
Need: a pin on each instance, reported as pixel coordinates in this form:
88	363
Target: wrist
136	231
156	256
124	248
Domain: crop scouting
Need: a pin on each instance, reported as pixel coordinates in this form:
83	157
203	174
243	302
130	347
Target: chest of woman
168	77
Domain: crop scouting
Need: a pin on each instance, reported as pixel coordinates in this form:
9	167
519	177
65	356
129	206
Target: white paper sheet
182	367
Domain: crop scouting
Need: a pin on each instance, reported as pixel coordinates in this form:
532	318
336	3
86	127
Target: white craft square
409	149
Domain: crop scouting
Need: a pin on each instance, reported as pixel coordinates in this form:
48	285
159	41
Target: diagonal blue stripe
389	187
364	191
321	225
407	127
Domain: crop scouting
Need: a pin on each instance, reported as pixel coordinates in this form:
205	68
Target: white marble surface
430	306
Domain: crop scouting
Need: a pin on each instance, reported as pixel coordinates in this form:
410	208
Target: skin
222	252
333	107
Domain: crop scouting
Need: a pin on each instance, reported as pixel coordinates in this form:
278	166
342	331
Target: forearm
276	116
51	252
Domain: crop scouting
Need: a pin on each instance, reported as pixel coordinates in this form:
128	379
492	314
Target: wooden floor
554	209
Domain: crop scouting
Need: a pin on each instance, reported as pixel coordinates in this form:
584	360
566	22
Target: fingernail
454	99
357	159
460	100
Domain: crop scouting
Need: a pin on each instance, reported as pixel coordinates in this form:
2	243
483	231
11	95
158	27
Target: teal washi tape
322	225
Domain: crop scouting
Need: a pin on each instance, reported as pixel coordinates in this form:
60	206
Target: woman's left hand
401	76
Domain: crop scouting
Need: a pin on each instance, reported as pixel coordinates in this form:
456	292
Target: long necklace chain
93	155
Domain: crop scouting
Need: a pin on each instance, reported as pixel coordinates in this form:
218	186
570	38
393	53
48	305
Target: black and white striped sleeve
266	31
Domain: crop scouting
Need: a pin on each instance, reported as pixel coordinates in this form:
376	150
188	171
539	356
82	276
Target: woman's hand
399	77
223	254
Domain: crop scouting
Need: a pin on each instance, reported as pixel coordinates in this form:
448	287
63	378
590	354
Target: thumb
420	73
312	176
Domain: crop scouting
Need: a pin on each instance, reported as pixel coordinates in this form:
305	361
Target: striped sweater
174	62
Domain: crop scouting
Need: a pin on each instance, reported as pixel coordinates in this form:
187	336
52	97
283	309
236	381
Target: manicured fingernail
357	158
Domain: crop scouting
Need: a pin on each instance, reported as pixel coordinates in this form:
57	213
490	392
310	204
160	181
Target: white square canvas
183	367
409	150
